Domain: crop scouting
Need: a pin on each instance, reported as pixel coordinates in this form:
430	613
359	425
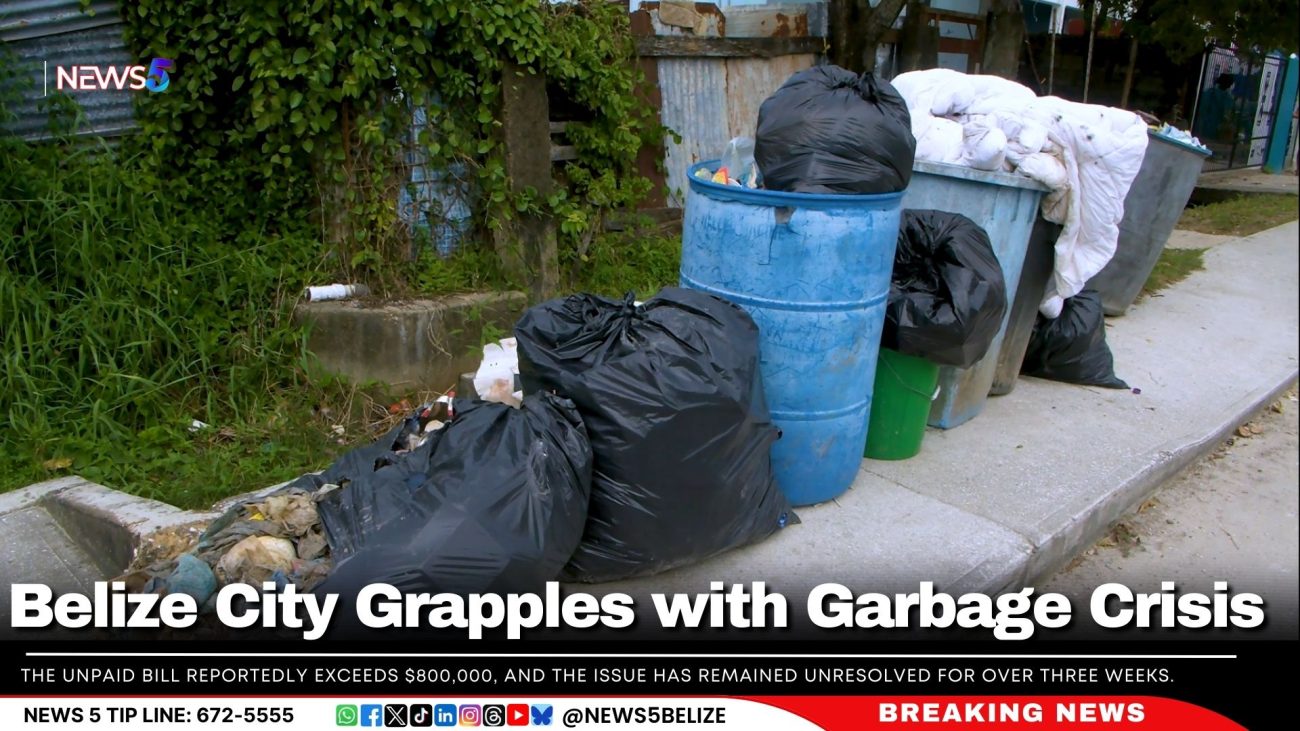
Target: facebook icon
444	714
372	715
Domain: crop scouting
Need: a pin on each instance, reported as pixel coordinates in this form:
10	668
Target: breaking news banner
736	655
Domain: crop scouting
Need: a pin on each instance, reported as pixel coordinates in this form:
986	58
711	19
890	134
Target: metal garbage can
1152	207
1006	206
1040	260
813	271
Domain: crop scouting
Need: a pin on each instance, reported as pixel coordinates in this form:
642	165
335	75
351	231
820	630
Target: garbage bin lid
782	199
991	177
1186	146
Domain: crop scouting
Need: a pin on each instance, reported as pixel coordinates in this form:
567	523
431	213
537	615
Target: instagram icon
471	715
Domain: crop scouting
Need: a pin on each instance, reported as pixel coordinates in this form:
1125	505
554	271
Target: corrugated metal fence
714	66
40	35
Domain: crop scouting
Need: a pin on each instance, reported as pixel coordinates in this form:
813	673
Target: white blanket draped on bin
1087	154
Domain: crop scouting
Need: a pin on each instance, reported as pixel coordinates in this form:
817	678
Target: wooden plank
557	128
689	47
777	21
650	158
764	21
684	18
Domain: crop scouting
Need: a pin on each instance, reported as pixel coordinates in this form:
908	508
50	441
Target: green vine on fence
299	112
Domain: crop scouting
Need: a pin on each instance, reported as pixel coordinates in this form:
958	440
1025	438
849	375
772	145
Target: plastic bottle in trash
738	159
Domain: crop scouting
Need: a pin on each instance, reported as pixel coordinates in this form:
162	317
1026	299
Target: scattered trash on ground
1250	429
56	464
165	545
497	378
329	292
273	538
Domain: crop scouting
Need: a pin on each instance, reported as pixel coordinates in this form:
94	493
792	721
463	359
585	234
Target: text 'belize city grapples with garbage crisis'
651	364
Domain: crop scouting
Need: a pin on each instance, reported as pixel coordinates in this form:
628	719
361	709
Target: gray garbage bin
1005	206
1040	259
1155	201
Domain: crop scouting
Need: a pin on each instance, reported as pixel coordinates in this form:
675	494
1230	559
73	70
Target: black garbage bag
828	130
947	296
495	501
1072	348
672	398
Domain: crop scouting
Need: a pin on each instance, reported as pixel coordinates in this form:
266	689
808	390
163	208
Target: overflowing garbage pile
640	443
1171	132
1088	155
278	538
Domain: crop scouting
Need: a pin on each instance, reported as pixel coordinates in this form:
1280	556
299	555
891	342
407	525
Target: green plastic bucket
900	405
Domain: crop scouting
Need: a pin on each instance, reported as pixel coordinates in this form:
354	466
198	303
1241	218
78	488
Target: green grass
293	434
642	260
127	315
1174	266
1241	216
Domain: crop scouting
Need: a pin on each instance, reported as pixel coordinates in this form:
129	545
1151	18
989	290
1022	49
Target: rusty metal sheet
750	81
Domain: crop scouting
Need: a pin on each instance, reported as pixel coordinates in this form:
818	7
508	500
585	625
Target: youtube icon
517	714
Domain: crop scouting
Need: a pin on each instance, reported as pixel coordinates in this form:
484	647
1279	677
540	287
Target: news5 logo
445	715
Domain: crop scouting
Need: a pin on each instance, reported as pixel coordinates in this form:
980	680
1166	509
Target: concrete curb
109	525
112	525
1174	456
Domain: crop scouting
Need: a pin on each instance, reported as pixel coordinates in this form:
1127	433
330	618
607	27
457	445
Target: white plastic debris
335	292
496	375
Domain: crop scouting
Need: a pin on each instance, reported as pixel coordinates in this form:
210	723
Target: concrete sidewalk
1246	180
1014	494
998	502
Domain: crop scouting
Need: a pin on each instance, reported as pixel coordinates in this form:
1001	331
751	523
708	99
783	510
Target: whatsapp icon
345	715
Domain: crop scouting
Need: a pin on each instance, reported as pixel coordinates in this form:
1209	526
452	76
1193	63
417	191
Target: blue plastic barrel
813	271
1006	206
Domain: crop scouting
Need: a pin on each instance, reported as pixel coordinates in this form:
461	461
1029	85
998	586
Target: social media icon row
400	715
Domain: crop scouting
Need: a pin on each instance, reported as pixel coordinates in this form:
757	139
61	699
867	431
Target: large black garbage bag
827	130
672	398
496	501
1072	348
947	296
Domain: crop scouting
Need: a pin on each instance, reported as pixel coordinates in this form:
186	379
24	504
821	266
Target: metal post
1275	160
1051	53
1196	100
1092	37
